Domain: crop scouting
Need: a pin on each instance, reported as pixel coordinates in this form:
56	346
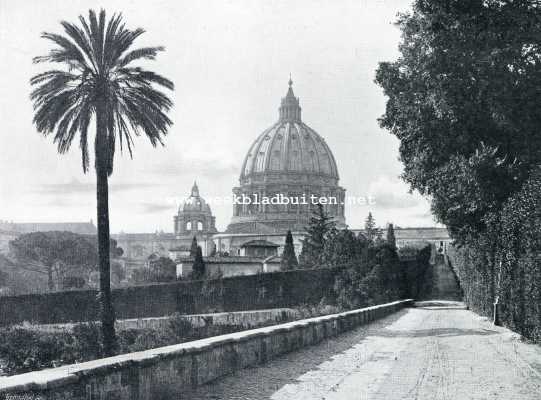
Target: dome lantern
290	109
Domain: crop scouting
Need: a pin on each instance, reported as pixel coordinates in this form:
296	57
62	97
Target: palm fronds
97	56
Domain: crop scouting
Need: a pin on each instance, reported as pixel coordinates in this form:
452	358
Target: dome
289	146
195	203
291	160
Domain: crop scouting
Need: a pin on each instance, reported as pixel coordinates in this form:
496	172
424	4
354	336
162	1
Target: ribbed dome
195	202
289	146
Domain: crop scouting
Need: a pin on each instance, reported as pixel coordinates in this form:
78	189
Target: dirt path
426	353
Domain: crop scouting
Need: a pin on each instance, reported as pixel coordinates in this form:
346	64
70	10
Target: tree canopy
463	100
320	226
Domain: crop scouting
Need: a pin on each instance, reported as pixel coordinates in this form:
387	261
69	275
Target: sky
230	62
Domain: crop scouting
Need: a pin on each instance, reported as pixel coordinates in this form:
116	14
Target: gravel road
435	351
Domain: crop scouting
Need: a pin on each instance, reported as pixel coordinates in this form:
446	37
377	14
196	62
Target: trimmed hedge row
271	290
505	263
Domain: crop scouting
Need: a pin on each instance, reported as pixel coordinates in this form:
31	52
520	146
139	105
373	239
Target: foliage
118	273
60	253
504	263
418	271
321	225
462	99
391	239
289	259
370	228
198	268
193	248
68	259
24	348
377	277
162	270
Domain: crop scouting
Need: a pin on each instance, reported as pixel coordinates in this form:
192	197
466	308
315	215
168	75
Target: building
288	168
193	219
230	266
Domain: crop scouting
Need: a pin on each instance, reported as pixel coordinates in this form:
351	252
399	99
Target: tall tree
100	83
193	248
289	259
391	239
198	267
370	228
321	225
463	100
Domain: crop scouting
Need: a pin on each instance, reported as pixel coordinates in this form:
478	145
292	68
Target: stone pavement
437	350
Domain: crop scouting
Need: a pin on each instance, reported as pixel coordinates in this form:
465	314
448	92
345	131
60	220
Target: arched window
199	226
189	226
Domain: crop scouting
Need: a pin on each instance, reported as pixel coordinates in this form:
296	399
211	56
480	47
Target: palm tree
99	83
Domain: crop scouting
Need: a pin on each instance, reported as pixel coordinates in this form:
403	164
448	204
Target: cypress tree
289	259
370	227
198	268
391	239
193	248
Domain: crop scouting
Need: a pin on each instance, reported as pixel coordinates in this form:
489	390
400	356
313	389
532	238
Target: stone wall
165	372
244	319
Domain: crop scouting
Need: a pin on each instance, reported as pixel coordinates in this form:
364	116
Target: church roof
289	146
195	202
259	243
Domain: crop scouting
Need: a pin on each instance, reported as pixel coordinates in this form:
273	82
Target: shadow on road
441	332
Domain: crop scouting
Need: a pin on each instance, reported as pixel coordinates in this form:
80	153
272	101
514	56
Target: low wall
244	319
167	371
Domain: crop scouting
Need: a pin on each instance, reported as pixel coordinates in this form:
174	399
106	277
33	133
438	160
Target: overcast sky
230	62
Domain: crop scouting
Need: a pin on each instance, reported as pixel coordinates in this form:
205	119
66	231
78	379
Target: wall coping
70	374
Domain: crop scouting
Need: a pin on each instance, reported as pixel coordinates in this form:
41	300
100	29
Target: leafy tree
193	248
391	239
370	228
320	226
163	269
198	268
114	250
463	100
117	272
342	249
56	253
289	259
100	83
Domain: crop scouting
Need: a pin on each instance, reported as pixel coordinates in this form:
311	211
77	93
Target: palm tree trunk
106	304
